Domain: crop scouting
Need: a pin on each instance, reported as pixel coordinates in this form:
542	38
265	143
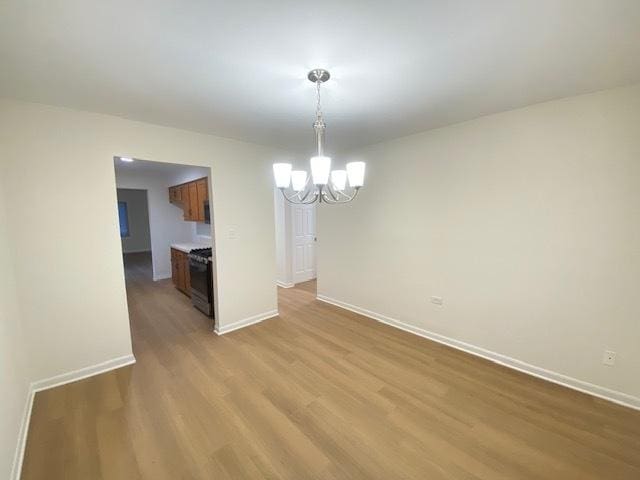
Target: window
124	219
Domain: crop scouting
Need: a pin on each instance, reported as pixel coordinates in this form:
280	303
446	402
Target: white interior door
304	242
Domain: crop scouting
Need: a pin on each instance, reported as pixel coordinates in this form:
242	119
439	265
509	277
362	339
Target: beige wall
14	374
527	223
62	216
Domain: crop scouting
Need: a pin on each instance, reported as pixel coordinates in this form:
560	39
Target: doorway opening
166	228
133	215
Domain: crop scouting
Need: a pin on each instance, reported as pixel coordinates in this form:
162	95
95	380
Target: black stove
200	268
201	254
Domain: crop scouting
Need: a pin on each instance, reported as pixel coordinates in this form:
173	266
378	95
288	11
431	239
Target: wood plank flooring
317	393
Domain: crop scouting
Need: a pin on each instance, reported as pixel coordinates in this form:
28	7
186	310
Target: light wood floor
318	393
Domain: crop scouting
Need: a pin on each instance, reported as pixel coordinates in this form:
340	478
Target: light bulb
320	167
282	174
355	172
339	179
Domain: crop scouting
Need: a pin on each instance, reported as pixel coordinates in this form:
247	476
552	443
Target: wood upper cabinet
191	196
175	194
203	197
180	274
193	202
184	195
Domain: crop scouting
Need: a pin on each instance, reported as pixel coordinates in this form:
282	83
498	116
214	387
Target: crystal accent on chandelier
324	184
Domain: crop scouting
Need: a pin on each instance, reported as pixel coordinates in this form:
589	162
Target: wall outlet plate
609	357
436	300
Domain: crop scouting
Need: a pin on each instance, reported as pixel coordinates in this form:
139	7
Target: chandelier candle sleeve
298	180
339	179
282	174
320	168
355	172
322	185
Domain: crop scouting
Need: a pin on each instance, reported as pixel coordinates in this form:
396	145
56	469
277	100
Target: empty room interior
301	240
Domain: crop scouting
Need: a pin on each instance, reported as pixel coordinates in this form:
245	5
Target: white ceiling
238	68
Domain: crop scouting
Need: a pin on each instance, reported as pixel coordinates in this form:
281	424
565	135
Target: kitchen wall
526	224
139	239
59	177
15	376
202	232
166	221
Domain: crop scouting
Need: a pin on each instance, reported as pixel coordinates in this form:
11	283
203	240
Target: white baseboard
52	382
161	276
285	284
246	322
564	380
18	457
82	373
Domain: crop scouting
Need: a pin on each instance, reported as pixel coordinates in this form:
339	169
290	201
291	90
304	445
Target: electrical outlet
436	300
609	358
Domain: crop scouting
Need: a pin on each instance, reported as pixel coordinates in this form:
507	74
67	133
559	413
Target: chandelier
324	184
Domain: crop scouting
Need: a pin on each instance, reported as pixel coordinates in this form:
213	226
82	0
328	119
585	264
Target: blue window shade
124	219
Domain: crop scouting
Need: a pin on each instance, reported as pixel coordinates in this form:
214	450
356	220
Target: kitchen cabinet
202	191
175	194
180	271
191	197
184	200
193	203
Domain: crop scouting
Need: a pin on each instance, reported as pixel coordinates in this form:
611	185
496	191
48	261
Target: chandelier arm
285	195
306	186
301	201
349	198
291	197
306	194
327	199
332	193
332	199
307	191
308	202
